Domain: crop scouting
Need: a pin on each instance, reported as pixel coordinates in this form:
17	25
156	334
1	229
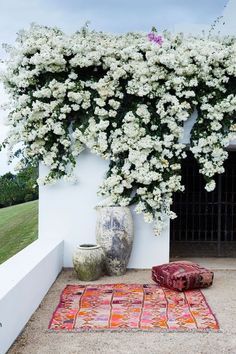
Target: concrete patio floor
221	296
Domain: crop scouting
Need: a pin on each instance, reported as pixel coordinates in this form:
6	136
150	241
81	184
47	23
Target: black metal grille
206	223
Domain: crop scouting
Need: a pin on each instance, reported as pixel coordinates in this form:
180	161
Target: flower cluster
155	38
126	100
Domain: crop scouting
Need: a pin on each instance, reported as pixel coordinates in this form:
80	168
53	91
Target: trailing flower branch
126	98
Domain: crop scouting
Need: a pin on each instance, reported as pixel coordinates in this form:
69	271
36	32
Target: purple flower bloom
154	38
158	40
151	36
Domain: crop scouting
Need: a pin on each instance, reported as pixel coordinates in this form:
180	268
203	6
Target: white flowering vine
125	97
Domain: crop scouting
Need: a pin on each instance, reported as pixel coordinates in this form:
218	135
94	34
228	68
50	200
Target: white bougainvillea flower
126	98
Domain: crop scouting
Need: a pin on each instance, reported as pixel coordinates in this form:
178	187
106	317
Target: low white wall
24	281
66	211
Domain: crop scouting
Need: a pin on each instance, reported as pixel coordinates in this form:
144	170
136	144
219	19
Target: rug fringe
128	330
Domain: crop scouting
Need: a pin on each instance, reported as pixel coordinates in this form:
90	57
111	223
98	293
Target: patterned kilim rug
131	307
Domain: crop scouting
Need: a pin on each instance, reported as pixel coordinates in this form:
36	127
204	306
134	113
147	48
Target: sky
115	16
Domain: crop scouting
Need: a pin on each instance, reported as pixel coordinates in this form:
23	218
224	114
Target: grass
18	228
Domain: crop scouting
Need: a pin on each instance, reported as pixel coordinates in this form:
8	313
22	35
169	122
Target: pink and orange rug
131	307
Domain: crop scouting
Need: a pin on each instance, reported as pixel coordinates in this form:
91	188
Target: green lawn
18	228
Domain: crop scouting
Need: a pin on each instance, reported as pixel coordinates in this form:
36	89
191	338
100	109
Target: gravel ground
221	296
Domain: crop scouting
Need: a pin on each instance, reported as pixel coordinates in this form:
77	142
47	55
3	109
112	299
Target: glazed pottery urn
88	261
114	232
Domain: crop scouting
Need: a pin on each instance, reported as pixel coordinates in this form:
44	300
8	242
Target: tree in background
19	188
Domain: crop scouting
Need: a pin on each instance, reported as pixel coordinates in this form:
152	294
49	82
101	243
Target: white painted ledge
24	281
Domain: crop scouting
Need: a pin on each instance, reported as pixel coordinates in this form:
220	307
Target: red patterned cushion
182	275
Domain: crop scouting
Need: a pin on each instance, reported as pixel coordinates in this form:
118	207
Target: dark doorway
206	222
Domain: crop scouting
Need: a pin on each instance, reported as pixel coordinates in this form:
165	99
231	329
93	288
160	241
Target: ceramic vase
114	232
88	261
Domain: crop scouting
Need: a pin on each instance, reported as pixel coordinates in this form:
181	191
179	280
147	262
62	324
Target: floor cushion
182	275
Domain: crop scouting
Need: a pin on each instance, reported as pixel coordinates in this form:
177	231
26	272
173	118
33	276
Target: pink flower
155	38
151	36
158	40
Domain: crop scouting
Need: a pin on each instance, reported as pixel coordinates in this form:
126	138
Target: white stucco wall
66	211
